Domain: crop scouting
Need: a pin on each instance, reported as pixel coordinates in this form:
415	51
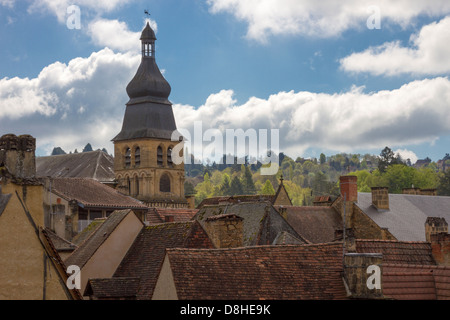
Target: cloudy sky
333	76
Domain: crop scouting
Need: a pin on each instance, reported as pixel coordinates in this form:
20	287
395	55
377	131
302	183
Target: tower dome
148	84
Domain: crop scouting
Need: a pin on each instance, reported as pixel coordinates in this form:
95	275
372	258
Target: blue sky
312	69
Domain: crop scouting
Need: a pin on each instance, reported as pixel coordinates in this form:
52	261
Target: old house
31	268
136	275
101	254
280	198
261	222
71	204
145	150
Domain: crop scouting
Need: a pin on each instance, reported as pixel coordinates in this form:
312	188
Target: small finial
147	13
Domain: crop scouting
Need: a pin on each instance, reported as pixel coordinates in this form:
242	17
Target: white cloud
344	122
69	105
115	34
7	3
407	154
325	18
428	54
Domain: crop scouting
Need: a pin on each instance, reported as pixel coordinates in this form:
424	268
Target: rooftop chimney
362	275
17	155
440	248
380	198
225	231
435	225
349	188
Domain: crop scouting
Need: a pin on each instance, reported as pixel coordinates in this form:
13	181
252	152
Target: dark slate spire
149	112
148	84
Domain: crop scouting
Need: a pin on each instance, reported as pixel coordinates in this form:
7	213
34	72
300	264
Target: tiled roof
145	257
259	273
158	215
92	193
86	250
60	243
407	215
398	252
316	224
261	225
416	282
113	288
96	165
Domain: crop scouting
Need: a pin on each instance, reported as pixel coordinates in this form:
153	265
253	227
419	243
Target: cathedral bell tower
143	149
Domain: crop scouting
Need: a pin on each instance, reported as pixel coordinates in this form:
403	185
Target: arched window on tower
137	157
160	157
164	183
128	158
129	186
169	157
137	191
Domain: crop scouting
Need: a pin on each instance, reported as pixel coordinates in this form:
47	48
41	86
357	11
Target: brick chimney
380	198
363	275
17	156
440	248
349	188
411	191
435	225
428	192
226	230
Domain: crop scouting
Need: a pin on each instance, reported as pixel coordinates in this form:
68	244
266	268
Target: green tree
268	189
247	183
444	184
236	187
388	158
323	158
225	186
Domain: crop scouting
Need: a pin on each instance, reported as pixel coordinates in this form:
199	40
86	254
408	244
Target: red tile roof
236	199
146	255
416	282
92	193
259	273
398	252
158	215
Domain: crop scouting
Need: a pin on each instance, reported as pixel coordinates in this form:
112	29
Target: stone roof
112	288
316	224
159	215
87	232
306	272
87	249
416	282
96	165
91	193
236	199
145	257
261	225
407	214
398	252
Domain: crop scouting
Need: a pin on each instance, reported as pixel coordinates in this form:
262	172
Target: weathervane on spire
147	13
